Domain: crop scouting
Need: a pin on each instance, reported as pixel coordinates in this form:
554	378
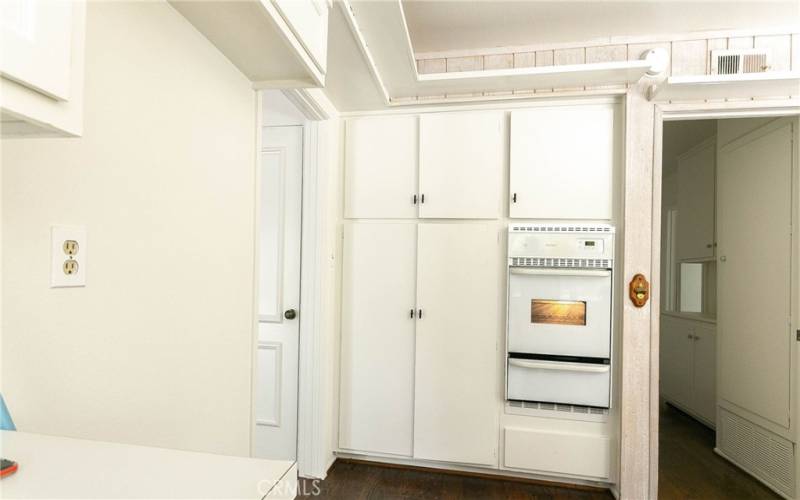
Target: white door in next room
281	158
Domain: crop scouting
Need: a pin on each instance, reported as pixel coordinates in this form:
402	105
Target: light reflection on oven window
558	312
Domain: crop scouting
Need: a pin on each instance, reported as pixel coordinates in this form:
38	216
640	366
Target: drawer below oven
583	384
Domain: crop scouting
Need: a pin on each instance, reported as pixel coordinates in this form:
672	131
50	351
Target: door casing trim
674	112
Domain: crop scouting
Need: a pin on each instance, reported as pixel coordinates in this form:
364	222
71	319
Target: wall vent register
559	314
738	61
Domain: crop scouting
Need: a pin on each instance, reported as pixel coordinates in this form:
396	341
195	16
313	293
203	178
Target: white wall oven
559	313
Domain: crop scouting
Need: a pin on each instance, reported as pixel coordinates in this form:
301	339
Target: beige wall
156	349
733	128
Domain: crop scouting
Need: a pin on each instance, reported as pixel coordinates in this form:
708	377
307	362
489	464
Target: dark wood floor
356	481
689	468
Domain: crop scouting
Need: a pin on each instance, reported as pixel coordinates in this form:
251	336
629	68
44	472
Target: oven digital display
558	312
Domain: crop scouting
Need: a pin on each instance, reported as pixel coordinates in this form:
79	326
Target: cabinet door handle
709	245
415	200
422	198
411	315
419	313
690	336
514	198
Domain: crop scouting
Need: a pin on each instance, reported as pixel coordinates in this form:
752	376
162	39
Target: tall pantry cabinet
420	314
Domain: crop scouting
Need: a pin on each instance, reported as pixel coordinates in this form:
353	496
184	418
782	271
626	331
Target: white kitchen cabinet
546	451
462	159
456	393
696	167
41	87
377	355
274	43
308	20
563	161
381	167
688	366
420	328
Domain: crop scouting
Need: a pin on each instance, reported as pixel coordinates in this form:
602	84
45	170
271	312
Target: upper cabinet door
696	202
309	22
562	162
36	36
381	167
462	158
457	393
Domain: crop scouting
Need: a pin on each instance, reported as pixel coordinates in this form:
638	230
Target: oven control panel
555	241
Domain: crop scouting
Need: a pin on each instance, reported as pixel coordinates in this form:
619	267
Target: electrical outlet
71	248
70	266
68	256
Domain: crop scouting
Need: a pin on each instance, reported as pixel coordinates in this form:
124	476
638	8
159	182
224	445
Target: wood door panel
462	158
377	356
562	162
457	392
381	167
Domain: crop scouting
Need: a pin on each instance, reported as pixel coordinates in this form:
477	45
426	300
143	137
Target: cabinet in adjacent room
381	167
462	158
688	366
696	202
563	161
420	326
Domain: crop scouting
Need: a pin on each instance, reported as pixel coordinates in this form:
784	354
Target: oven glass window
558	312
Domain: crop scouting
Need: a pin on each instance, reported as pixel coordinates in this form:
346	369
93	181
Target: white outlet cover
58	235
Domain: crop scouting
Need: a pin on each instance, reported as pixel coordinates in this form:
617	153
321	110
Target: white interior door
376	401
457	393
275	434
754	190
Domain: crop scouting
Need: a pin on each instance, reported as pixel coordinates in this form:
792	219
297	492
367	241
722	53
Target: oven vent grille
562	408
561	262
738	61
551	228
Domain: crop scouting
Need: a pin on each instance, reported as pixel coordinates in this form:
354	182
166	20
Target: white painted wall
156	349
278	111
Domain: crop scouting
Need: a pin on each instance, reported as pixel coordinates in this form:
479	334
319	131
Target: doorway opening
729	275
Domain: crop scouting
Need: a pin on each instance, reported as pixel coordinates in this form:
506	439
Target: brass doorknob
290	314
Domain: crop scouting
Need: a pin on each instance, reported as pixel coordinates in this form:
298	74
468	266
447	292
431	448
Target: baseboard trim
499	475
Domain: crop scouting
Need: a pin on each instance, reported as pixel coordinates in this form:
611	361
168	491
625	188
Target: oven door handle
558	365
560	272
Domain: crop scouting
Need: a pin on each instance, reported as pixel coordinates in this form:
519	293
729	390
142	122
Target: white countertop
58	467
